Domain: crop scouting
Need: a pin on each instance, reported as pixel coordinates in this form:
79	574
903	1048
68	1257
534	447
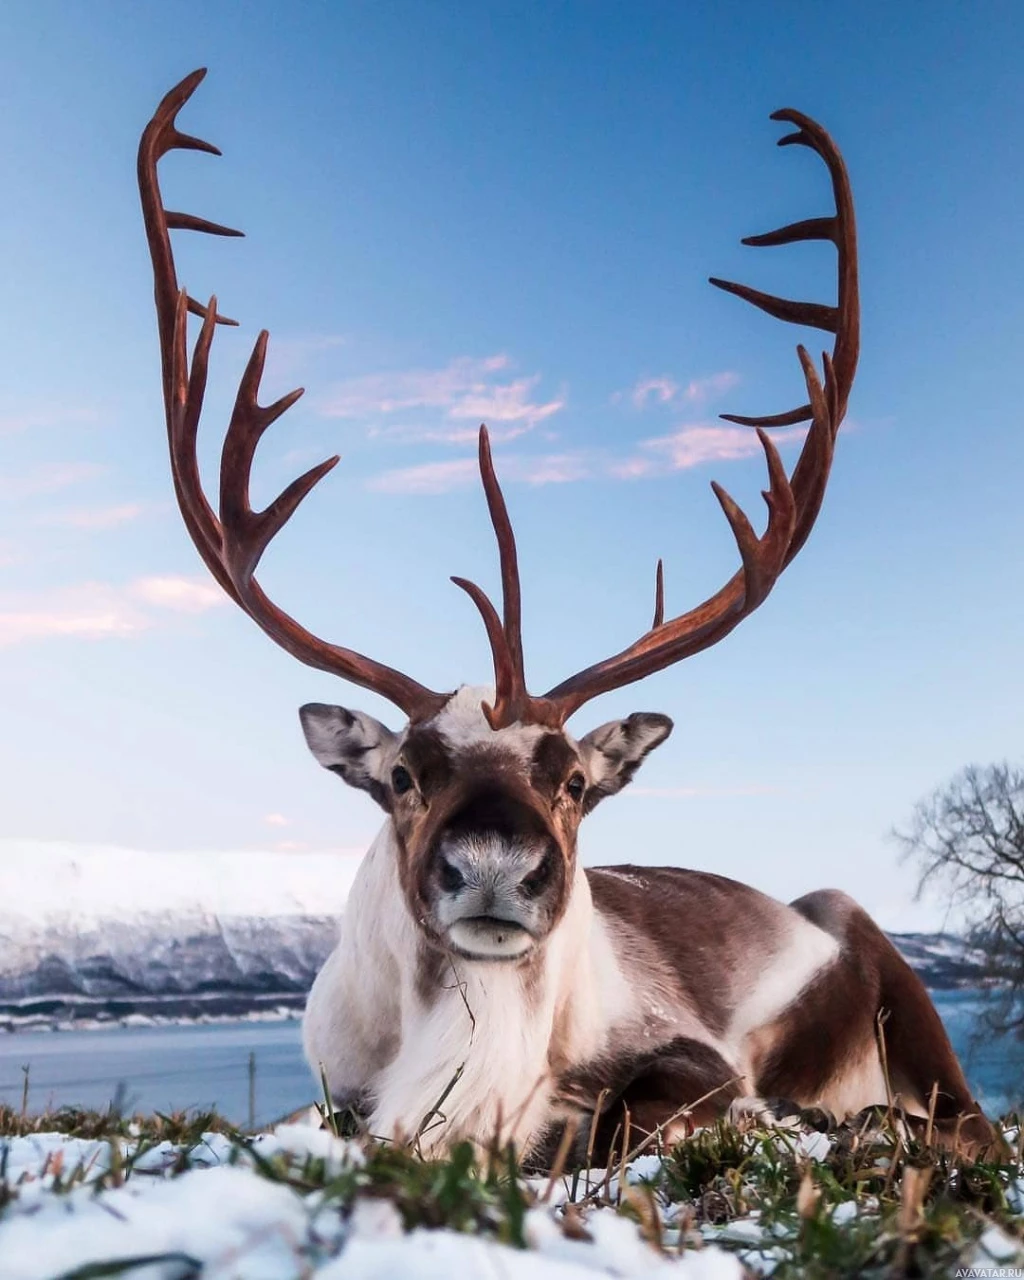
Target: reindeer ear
351	744
614	752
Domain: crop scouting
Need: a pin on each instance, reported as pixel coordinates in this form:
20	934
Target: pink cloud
46	416
506	403
48	479
289	354
95	517
682	450
443	477
664	389
181	595
697	445
466	389
90	611
700	793
430	477
554	468
631	468
101	610
716	384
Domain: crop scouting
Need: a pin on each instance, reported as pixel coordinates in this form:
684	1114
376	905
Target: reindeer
485	984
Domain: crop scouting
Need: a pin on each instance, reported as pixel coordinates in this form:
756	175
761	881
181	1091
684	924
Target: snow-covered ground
225	1217
299	1202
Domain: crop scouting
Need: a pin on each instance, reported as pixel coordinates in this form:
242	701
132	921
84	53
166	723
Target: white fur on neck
368	1024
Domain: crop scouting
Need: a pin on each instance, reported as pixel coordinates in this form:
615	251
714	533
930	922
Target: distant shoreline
91	1013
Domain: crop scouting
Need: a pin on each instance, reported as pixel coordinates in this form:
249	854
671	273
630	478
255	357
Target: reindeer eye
576	785
401	780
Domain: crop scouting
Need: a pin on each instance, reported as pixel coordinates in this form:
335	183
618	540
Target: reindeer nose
452	878
540	877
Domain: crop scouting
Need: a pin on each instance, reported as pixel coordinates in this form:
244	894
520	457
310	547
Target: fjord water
206	1066
168	1068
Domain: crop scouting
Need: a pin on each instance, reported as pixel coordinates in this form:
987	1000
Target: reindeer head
486	790
485	819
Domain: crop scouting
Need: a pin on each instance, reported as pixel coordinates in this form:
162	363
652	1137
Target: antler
233	541
793	504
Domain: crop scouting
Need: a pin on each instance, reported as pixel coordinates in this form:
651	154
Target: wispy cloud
95	517
181	595
665	390
101	610
275	820
48	479
289	354
700	390
438	404
46	416
700	793
90	611
661	390
692	446
443	477
695	446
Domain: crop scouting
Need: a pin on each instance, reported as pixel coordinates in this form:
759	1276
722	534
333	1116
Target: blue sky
508	212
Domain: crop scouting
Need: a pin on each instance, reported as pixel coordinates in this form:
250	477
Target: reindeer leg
670	1091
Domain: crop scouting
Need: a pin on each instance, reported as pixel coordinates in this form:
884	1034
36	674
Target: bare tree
967	839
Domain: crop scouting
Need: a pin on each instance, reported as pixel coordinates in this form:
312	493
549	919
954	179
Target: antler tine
811	473
160	136
762	561
233	544
246	532
188	387
793	504
504	710
511	700
843	319
659	596
510	592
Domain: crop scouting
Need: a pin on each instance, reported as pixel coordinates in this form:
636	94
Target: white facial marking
492	870
462	723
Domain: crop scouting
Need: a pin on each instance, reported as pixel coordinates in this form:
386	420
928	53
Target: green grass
877	1204
184	1127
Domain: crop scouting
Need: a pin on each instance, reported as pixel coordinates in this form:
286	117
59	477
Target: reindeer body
657	986
484	984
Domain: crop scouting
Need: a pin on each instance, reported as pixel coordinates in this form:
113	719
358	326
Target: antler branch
793	504
232	541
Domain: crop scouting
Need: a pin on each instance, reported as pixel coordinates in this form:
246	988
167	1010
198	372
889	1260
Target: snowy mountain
101	934
943	961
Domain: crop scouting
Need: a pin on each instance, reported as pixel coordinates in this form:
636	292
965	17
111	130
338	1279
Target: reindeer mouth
489	938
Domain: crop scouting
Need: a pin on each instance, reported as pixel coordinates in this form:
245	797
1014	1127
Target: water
162	1068
994	1068
170	1068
